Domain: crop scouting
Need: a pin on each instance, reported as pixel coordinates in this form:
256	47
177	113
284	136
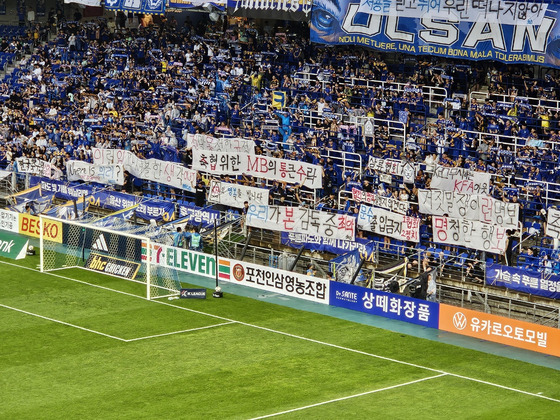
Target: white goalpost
68	244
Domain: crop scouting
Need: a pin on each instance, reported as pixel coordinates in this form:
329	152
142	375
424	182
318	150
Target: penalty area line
350	397
62	322
180	332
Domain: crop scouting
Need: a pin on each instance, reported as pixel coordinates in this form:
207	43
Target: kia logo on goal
459	321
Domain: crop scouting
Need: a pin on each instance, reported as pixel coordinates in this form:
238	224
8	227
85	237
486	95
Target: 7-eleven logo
224	269
156	252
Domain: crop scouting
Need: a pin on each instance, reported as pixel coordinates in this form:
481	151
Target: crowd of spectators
145	88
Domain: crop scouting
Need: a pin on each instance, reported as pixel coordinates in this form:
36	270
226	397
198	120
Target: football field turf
76	344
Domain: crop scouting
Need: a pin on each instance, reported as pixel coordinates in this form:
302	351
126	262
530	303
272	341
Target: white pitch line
299	337
349	397
180	332
62	322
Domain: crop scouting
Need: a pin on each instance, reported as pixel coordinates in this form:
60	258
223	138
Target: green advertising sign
12	246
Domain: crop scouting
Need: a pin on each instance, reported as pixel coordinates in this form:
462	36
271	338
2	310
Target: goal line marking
532	394
349	397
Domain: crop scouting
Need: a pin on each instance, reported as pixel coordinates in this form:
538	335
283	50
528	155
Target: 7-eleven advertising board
247	274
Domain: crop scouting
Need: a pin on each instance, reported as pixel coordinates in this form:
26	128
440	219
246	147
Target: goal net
67	244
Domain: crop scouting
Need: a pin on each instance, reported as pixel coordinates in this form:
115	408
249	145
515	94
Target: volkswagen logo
460	321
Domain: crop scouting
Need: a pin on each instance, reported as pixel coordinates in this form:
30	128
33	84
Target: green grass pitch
69	349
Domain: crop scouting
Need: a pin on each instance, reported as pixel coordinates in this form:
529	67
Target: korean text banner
204	142
526	281
61	189
157	210
198	216
235	195
146	7
37	166
393	167
283	170
460	180
499	329
469	206
388	305
299	10
387	223
302	220
377	200
365	247
506	31
168	173
469	233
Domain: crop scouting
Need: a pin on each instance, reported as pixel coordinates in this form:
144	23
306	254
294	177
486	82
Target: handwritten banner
377	200
460	180
393	167
502	11
553	223
77	170
235	195
168	173
291	171
38	167
302	220
387	223
469	206
469	233
213	144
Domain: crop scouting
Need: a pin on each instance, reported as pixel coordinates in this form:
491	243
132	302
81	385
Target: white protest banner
302	220
38	167
497	212
235	195
283	170
450	203
460	180
553	223
213	144
77	170
168	173
387	223
394	167
377	200
469	206
9	221
469	233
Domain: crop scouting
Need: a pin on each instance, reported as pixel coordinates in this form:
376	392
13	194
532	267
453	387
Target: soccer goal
67	244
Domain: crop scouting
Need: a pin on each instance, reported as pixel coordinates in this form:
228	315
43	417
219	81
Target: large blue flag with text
506	31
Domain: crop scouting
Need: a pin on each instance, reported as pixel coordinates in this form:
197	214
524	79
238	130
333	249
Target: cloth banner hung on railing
302	220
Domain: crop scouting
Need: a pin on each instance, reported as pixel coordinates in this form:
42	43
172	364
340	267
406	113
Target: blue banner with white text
199	216
533	282
388	305
324	244
146	7
506	31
